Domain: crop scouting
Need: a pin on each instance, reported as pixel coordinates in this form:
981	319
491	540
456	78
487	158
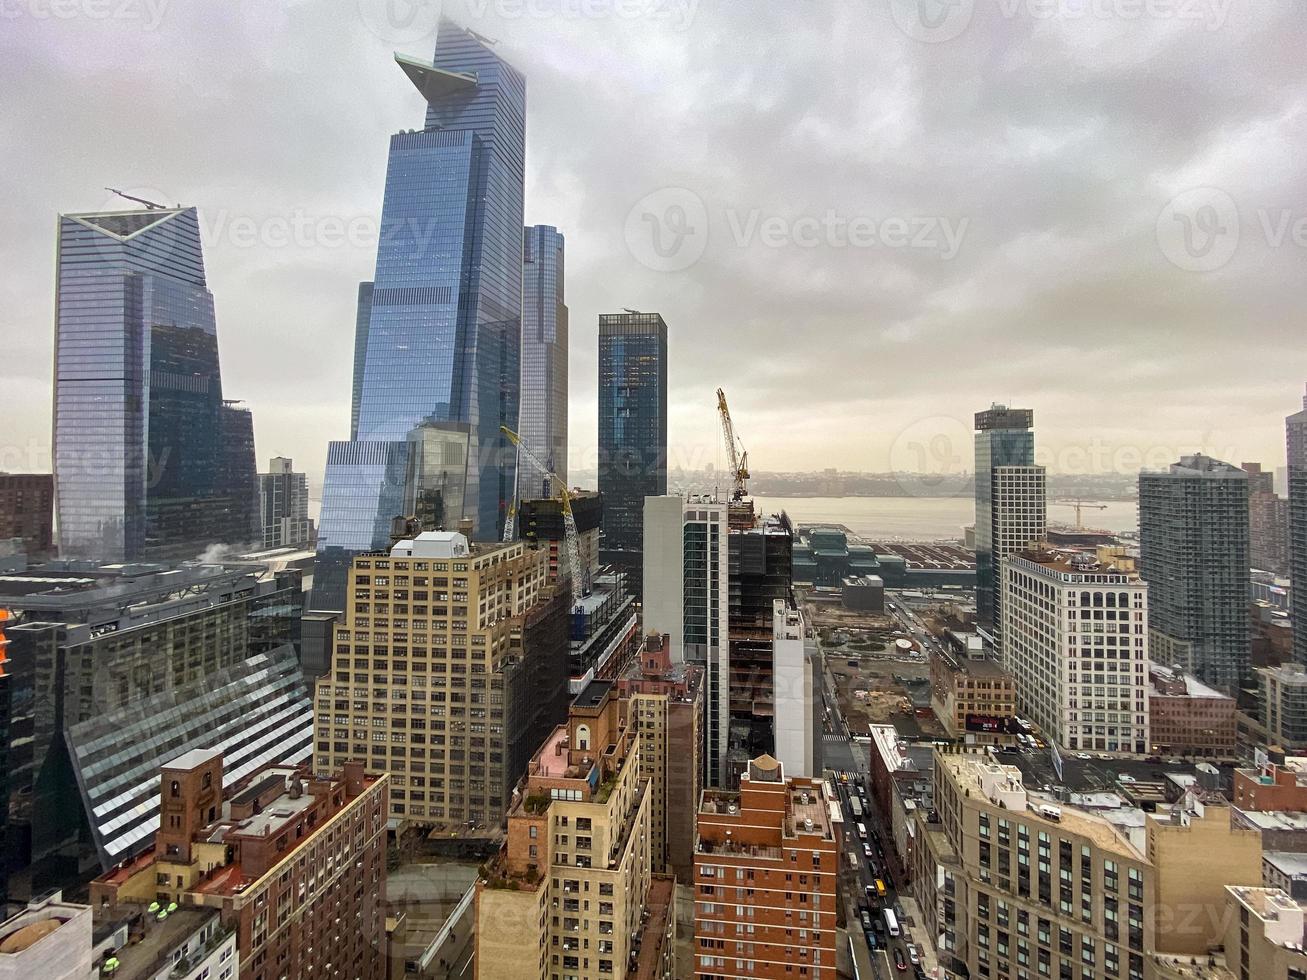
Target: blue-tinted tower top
141	467
443	333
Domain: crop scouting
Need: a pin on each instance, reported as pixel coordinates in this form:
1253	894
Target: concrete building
1284	706
766	867
1264	937
797	725
50	939
632	432
666	703
293	861
863	593
973	697
1230	855
1010	882
1011	504
568	893
112	669
1186	717
1295	427
284	506
900	776
1076	642
1193	551
436	678
1268	522
686	599
27	512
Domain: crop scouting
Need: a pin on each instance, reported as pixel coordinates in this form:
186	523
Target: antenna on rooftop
153	206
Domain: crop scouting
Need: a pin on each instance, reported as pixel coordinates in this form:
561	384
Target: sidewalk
925	944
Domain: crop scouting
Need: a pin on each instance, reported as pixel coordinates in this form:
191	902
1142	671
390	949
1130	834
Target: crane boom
570	534
735	455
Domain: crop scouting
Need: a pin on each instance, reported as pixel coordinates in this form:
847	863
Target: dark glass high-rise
632	432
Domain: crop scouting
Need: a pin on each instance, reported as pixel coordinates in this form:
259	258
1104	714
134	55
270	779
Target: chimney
465	526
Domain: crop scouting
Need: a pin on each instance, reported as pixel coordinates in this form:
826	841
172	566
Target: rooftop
1174	682
143	960
1078	563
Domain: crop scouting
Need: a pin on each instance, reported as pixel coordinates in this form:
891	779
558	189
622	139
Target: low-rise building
1186	717
766	868
293	862
973	697
1264	937
1272	785
50	939
1284	705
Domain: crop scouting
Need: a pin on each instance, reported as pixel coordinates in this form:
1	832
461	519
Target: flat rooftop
145	959
553	755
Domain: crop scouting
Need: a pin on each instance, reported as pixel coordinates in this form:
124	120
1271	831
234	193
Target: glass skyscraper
632	432
1296	438
439	328
150	462
542	421
1193	552
1010	502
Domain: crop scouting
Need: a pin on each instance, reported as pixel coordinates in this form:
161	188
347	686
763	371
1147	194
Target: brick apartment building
766	868
294	862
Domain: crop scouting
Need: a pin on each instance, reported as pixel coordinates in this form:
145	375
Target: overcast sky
864	220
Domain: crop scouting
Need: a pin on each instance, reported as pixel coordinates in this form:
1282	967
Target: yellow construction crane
736	455
580	585
1079	505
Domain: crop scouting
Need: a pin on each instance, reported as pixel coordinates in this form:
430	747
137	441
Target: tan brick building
568	894
1264	935
766	869
1014	886
431	680
667	712
295	864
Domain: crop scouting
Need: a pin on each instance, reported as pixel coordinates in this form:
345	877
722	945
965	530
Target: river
930	518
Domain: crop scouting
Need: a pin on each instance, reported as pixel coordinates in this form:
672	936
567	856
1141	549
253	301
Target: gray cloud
1057	140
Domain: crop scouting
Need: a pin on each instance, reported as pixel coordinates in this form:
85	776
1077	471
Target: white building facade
1075	637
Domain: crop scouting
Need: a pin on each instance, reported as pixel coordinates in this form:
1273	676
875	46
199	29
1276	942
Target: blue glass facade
361	324
141	469
444	310
542	421
632	432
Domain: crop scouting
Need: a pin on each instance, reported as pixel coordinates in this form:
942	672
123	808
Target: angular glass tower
542	421
438	333
150	462
632	432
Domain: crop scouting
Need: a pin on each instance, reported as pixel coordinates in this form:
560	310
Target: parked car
866	920
900	962
913	956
